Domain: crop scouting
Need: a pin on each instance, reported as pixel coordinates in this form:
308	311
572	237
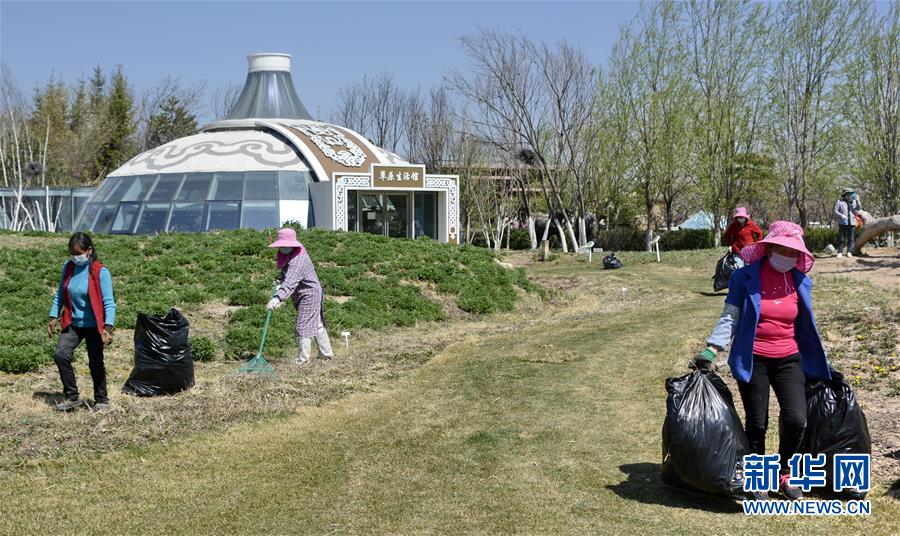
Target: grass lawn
543	420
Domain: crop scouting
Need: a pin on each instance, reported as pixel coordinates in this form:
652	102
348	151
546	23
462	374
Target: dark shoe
756	496
321	356
101	407
792	493
69	405
853	495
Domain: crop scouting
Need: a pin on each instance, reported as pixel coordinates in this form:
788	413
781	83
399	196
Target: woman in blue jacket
768	321
84	301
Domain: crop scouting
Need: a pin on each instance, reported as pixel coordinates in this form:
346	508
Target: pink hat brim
285	243
757	250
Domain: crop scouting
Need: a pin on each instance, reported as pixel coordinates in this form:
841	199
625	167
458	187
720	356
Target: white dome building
269	163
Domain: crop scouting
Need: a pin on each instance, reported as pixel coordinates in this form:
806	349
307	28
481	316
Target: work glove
703	360
273	304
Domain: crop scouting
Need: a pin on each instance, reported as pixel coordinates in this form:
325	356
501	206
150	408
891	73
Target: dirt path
880	266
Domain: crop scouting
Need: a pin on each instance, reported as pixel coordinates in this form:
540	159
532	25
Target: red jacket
738	236
94	294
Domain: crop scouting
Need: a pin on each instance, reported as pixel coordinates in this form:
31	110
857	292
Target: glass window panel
397	215
64	220
223	215
139	187
227	187
104	188
104	218
426	215
166	188
293	184
261	185
118	189
187	217
86	218
195	187
124	222
260	215
352	205
153	218
371	214
79	203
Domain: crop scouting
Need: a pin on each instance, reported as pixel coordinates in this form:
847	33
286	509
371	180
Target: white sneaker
840	255
849	254
300	362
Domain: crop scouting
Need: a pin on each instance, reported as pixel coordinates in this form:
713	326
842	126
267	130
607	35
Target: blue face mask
80	260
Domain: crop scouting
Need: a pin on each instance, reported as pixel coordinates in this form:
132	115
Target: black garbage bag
724	268
162	356
703	440
610	262
835	424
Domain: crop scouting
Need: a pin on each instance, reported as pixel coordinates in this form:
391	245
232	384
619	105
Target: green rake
258	364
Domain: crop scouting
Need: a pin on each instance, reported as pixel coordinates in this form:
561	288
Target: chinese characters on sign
386	176
851	472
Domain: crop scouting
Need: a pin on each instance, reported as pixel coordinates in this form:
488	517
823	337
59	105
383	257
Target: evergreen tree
98	92
79	108
119	121
173	121
50	130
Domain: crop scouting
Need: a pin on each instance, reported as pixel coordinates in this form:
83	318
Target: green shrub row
380	276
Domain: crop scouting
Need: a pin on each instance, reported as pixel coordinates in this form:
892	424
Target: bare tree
23	159
649	66
571	83
810	45
724	41
223	100
153	100
533	97
872	108
353	107
429	129
377	108
613	159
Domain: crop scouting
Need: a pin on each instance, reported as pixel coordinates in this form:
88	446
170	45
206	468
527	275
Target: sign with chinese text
390	176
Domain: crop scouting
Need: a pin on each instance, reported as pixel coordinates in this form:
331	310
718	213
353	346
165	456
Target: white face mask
742	221
285	250
780	263
80	260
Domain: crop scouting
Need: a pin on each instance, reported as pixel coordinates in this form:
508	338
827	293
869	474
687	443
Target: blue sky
333	44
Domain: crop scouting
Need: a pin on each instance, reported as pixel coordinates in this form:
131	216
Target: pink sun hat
740	212
783	233
287	238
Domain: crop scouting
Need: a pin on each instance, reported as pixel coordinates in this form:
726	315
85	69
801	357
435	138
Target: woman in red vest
742	232
85	300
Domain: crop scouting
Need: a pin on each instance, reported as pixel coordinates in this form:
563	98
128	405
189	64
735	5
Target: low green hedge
380	276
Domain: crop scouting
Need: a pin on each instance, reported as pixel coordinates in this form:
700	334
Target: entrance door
384	214
371	213
397	215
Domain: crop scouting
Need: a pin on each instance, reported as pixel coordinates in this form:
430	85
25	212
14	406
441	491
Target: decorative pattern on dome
327	138
263	151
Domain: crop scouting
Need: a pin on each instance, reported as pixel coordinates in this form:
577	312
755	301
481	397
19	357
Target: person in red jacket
742	232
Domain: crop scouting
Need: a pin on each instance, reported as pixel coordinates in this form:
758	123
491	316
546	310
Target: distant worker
742	232
845	210
85	306
299	282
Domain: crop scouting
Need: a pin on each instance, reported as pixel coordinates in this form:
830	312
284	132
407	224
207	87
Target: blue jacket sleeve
109	301
57	298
